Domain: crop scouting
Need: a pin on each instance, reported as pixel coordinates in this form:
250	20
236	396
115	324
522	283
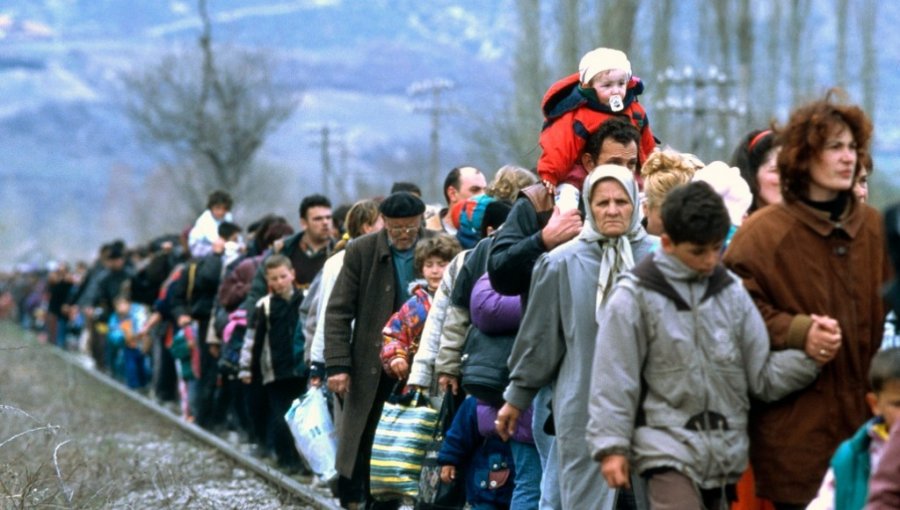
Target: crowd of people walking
625	327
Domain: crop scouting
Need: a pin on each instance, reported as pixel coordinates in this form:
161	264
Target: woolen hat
728	183
466	216
401	204
599	60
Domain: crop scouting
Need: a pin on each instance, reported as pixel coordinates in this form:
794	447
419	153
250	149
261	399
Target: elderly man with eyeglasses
372	285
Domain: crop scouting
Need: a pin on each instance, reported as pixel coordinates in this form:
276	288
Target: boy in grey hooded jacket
681	351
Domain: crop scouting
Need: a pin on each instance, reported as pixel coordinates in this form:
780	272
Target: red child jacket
570	118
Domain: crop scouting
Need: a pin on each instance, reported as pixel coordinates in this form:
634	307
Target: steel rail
269	473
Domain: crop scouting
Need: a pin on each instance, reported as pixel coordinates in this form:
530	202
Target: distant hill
63	135
62	130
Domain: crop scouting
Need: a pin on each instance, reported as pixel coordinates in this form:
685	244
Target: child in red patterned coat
404	329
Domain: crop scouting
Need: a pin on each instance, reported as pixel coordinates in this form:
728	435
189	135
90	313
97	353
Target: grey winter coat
697	349
555	346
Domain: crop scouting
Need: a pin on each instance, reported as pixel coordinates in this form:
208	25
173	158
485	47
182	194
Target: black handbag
434	494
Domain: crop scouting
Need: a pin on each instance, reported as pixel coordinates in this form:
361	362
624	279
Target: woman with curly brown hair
814	265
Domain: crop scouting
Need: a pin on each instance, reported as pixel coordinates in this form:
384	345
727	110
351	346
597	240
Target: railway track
270	474
80	434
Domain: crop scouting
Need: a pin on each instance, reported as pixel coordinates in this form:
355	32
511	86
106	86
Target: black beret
116	251
401	204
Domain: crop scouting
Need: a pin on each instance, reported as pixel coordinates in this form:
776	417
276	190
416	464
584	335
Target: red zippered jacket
571	117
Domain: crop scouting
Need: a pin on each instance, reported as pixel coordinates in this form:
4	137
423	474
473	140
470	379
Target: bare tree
745	45
799	71
617	20
868	26
529	62
842	19
722	50
210	112
274	189
157	211
661	58
569	43
117	220
773	59
510	135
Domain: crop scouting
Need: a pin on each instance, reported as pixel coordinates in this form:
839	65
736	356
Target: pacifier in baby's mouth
615	103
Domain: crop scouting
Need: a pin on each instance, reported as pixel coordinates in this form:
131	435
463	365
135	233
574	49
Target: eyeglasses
396	231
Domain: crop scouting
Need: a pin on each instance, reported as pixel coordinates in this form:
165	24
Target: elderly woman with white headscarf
555	344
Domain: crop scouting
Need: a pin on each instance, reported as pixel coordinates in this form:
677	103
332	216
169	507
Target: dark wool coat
516	248
207	276
795	262
277	349
365	293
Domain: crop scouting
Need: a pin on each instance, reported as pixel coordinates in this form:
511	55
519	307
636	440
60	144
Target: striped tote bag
403	432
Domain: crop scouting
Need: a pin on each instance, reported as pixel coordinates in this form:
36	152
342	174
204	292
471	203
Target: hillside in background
70	164
63	132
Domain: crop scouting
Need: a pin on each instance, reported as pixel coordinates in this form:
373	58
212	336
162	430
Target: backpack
164	301
233	341
484	365
541	199
182	349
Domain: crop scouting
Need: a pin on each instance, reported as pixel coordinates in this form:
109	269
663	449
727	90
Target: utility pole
343	157
326	161
427	99
341	176
323	142
705	104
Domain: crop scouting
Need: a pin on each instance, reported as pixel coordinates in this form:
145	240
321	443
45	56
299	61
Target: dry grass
68	442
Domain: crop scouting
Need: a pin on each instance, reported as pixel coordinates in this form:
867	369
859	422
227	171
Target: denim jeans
527	493
488	506
135	368
62	332
546	447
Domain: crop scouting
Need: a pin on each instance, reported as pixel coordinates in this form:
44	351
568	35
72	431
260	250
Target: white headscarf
617	256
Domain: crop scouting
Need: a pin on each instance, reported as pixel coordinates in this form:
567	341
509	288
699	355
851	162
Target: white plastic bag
313	432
